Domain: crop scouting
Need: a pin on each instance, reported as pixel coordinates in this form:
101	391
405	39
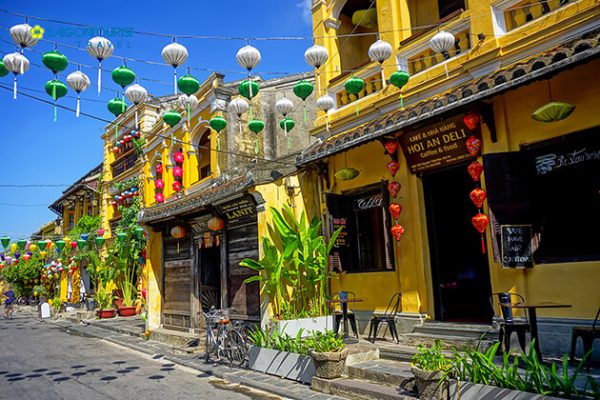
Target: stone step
388	372
448	341
176	338
399	352
357	389
472	331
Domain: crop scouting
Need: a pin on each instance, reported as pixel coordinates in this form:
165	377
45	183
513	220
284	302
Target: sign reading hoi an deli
436	146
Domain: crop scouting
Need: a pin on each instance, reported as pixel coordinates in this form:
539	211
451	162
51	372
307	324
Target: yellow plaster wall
154	279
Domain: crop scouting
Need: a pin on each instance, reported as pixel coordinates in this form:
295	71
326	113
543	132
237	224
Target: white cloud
305	7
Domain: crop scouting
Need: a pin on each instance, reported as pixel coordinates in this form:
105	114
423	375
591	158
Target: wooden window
203	156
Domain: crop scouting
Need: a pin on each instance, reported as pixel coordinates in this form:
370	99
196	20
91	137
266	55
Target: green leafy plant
325	342
294	271
271	338
431	358
104	295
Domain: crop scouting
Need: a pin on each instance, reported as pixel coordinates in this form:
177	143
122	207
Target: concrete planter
329	365
428	384
280	363
292	326
474	391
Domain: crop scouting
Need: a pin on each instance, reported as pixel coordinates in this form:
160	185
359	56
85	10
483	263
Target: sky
38	151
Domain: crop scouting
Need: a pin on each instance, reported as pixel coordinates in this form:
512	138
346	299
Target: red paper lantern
473	145
100	232
159	169
177	186
178	232
159	197
127	138
397	231
177	171
115	149
216	224
478	197
178	157
471	120
122	142
73	245
391	146
480	222
475	169
395	210
393	167
159	184
394	188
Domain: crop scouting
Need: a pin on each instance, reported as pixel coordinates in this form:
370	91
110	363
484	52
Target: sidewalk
123	332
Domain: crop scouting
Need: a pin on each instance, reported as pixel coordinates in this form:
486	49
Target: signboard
242	210
342	239
515	246
436	146
366	203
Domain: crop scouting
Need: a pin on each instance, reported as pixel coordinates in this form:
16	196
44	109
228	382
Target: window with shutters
365	244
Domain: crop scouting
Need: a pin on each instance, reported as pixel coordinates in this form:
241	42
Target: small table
531	307
344	306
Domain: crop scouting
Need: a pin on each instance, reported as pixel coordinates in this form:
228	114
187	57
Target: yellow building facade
507	59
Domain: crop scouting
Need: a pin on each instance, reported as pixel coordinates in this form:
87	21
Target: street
41	361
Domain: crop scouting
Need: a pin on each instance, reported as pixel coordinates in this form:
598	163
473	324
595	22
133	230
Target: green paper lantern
354	85
5	240
553	112
245	89
99	241
139	230
41	245
172	118
121	236
399	79
347	174
188	84
56	89
21	243
55	61
256	126
123	76
81	243
218	123
3	70
303	89
117	106
60	244
287	124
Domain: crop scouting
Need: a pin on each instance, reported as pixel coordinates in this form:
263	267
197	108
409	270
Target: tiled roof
541	66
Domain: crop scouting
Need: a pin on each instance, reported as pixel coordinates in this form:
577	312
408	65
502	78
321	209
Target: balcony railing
428	58
124	164
526	11
372	85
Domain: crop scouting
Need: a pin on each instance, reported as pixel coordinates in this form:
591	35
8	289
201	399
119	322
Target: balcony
512	14
123	164
369	73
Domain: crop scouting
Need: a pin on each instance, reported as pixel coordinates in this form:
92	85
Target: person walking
8	302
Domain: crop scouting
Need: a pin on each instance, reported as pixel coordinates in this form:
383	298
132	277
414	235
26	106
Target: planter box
280	363
473	391
292	326
127	311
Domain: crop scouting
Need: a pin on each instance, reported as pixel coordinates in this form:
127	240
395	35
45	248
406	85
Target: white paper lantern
21	35
100	48
442	42
326	103
175	55
248	57
316	55
284	106
16	63
380	51
188	102
238	106
136	94
79	82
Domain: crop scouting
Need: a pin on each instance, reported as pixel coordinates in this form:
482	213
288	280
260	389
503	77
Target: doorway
460	272
209	265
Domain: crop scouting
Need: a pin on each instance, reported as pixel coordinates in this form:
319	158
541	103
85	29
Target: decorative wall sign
516	246
238	211
436	146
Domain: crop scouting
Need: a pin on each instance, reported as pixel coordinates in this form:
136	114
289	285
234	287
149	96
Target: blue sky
37	150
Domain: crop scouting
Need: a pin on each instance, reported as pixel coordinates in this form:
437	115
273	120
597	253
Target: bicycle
224	338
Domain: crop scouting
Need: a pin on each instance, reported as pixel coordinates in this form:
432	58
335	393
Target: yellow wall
153	279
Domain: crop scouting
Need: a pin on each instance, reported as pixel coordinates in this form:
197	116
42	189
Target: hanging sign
516	246
342	239
438	145
242	210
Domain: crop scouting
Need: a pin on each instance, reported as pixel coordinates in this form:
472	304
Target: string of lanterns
394	187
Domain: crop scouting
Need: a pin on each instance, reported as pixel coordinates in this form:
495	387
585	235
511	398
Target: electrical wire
33	185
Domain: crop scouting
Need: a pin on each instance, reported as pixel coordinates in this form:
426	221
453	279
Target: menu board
516	246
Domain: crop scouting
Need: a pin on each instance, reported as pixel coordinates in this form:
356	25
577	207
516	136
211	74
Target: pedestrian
8	302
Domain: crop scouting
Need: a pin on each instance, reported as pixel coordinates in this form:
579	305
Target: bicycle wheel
235	348
209	343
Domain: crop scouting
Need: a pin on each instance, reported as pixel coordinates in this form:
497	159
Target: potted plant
104	298
329	353
430	368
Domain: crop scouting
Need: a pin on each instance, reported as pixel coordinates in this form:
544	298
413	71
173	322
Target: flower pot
428	384
91	304
286	365
107	313
329	365
127	311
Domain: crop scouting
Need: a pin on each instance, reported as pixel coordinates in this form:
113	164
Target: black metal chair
587	335
506	319
339	315
389	318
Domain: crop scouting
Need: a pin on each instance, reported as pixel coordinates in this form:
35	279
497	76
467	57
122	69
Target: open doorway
209	265
460	272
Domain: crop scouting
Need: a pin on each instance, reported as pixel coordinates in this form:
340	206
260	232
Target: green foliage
85	224
294	271
431	358
127	184
329	341
316	341
138	146
23	275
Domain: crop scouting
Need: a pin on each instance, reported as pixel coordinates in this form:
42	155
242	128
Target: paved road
42	362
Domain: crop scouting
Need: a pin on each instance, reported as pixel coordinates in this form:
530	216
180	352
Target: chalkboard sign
516	246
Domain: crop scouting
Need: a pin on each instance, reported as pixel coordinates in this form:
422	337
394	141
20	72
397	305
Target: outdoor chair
507	324
389	318
587	335
338	315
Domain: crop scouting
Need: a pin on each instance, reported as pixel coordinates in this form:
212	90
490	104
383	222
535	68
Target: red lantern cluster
159	184
178	171
125	197
480	221
125	144
391	149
